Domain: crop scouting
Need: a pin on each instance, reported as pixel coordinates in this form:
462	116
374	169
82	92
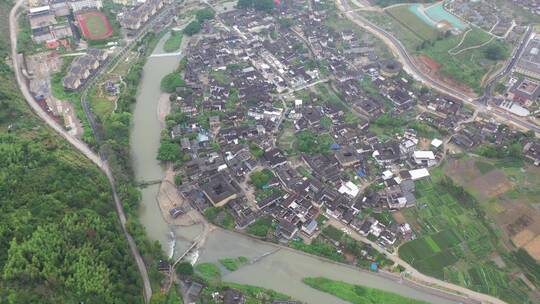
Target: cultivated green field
459	243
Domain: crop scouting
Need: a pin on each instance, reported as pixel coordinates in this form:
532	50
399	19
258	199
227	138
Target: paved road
416	276
78	144
397	47
507	69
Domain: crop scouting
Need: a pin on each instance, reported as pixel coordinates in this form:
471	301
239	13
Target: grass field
208	271
233	264
410	21
474	37
356	294
100	104
173	42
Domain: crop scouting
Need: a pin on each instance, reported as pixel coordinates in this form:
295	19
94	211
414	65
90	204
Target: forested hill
60	240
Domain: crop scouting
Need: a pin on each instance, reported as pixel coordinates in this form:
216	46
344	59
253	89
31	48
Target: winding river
273	267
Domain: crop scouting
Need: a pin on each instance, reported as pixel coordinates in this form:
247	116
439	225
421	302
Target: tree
170	82
311	143
495	52
184	269
255	150
168	151
261	178
204	14
192	28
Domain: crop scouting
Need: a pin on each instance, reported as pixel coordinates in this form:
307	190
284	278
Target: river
274	267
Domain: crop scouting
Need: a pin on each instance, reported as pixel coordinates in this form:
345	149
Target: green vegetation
173	42
253	294
101	105
356	294
168	151
204	14
255	150
261	178
261	227
429	254
220	217
424	130
410	21
484	167
233	264
208	271
495	52
384	3
350	248
171	298
25	44
60	240
311	143
510	152
170	82
195	26
57	89
465	66
388	125
192	28
458	239
319	247
184	269
522	258
260	5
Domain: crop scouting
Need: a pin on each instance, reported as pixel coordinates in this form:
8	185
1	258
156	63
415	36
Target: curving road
406	59
79	145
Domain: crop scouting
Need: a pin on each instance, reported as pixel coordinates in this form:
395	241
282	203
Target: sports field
94	25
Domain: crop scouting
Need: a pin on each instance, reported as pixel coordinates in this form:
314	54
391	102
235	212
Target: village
286	125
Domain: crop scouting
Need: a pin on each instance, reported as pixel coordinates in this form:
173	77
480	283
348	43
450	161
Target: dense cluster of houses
233	74
229	101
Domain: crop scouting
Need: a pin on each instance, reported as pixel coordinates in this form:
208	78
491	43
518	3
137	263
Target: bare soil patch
399	217
491	184
533	248
521	223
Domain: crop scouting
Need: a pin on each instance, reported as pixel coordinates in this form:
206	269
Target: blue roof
335	147
373	266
